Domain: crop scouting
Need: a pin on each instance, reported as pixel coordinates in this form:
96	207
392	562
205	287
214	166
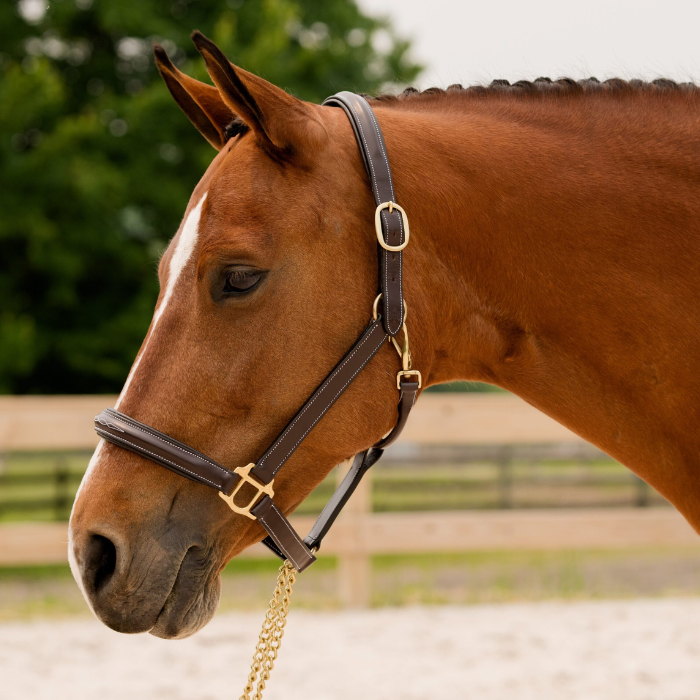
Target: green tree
97	162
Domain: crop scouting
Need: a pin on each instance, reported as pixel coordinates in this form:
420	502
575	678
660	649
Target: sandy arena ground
627	650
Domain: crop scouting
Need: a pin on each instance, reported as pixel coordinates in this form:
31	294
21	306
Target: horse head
266	284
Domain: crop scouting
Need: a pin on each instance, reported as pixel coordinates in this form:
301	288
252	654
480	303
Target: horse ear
285	126
201	103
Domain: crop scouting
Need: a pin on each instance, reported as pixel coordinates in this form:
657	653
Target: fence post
354	564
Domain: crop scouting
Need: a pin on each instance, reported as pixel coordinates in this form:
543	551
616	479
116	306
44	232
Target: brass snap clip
378	226
406	361
405	352
244	473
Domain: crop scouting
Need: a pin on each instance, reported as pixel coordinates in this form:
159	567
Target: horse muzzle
145	565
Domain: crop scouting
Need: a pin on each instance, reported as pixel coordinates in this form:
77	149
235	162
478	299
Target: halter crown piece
388	320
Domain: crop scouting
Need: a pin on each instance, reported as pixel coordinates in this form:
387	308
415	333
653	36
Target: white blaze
183	251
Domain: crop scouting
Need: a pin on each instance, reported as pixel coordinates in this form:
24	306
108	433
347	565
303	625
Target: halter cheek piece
392	235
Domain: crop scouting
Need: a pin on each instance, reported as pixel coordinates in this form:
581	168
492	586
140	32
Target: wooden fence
448	424
41	486
65	422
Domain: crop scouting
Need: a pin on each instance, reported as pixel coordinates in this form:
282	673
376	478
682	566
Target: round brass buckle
378	226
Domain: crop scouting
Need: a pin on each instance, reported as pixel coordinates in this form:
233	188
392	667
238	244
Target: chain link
270	639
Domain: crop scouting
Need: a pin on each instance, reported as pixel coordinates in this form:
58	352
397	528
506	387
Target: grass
469	387
461	579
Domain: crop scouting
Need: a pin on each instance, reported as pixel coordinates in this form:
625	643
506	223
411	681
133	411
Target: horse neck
549	268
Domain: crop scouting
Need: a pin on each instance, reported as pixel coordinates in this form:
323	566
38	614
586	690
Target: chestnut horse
555	252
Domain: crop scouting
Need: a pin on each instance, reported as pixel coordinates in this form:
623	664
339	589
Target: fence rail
41	486
492	454
65	422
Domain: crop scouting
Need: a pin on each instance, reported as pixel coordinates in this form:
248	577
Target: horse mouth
192	601
149	592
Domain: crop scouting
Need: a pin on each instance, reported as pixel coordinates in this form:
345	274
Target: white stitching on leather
381	146
145	429
369	159
285	522
107	424
332	401
272	534
109	437
393	197
322	388
386	275
277	540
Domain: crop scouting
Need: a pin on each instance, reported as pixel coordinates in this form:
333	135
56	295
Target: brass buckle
406	373
244	473
378	226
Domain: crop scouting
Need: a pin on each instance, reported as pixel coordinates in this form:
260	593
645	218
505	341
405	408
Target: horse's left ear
286	127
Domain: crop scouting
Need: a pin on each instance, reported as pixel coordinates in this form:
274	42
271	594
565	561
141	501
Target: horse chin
190	605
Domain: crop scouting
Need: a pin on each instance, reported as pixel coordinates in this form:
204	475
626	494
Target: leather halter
392	234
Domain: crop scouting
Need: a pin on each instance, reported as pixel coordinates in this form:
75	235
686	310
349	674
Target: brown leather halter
392	235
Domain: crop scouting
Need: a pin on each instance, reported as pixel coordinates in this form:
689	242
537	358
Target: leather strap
137	437
407	399
373	149
287	543
320	401
148	442
360	466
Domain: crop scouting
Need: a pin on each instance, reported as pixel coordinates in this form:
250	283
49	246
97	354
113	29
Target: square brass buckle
244	473
409	373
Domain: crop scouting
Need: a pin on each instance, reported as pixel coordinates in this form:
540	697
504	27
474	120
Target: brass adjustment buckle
244	473
406	373
378	226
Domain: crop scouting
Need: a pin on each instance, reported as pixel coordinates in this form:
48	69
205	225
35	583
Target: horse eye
240	281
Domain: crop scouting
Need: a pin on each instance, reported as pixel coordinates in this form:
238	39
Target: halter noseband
392	236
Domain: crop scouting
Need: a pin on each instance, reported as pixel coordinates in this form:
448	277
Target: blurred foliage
97	162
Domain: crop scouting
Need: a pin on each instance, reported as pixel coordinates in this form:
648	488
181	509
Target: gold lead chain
272	631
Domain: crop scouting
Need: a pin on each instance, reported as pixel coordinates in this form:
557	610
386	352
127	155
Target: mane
521	88
539	87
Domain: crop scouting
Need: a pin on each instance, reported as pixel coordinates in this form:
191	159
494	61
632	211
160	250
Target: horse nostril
100	562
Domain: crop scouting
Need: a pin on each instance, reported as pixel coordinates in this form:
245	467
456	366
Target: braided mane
541	86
